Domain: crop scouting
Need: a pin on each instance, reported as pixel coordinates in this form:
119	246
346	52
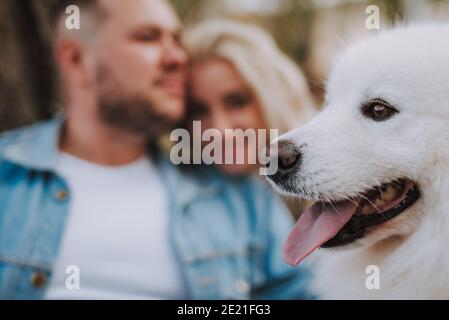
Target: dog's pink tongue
315	227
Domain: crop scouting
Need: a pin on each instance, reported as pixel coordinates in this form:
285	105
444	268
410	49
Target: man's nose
174	55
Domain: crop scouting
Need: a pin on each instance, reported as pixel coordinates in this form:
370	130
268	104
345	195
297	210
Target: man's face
139	66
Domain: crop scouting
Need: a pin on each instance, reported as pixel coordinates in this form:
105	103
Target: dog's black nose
288	159
288	155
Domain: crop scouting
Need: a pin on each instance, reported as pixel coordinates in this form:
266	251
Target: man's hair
57	8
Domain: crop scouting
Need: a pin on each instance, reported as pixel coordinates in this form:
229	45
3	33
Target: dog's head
371	156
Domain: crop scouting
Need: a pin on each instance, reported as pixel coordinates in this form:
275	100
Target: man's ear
73	62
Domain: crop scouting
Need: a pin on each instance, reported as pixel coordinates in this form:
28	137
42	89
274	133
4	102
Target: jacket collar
35	147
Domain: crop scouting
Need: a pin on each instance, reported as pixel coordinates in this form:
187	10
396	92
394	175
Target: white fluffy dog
376	159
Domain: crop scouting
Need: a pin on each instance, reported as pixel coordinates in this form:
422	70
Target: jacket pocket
20	280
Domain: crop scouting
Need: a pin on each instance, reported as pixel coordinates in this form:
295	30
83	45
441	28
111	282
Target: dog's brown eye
379	110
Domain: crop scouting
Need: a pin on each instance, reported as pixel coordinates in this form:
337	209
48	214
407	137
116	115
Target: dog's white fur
344	153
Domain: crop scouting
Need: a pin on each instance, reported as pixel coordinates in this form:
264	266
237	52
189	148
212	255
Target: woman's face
221	99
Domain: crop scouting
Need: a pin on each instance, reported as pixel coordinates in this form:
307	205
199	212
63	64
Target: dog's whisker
375	207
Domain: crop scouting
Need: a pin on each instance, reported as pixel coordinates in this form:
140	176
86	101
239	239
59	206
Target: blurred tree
26	73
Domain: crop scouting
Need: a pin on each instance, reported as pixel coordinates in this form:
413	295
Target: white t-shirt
116	234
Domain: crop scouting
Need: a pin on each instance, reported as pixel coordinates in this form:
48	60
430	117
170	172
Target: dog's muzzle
288	158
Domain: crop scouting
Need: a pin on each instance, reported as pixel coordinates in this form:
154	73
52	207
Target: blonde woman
239	79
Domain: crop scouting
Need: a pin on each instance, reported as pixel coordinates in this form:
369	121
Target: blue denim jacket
227	233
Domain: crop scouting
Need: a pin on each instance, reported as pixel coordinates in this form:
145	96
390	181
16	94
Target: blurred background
309	31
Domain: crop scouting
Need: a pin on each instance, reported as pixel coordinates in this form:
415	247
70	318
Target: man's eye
379	110
149	36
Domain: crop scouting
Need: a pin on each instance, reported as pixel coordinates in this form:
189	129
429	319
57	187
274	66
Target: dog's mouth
337	223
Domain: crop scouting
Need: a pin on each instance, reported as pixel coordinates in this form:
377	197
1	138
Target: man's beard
134	114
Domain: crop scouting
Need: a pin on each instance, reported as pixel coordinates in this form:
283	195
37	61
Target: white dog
376	159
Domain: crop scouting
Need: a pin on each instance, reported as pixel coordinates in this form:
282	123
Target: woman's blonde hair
277	82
